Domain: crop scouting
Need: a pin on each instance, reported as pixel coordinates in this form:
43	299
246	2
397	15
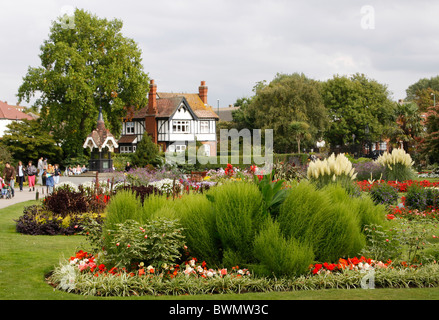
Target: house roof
193	99
12	113
129	138
167	104
100	137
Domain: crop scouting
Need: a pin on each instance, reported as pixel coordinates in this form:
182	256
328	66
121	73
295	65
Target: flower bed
139	249
401	186
81	275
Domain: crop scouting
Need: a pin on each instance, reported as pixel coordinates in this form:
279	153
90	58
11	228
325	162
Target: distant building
172	120
225	114
9	114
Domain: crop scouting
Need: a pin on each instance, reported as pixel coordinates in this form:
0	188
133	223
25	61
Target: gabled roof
167	104
101	137
12	113
193	99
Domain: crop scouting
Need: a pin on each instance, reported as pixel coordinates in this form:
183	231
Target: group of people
75	170
48	175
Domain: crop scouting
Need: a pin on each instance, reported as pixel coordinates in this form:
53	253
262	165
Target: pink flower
223	272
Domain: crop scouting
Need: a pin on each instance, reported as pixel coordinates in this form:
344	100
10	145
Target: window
180	126
204	126
129	127
125	149
180	148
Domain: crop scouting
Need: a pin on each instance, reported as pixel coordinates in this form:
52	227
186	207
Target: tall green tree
429	145
286	99
147	153
299	131
29	140
83	67
354	102
424	92
409	125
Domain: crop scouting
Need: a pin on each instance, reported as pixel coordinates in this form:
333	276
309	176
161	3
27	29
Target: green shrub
157	243
238	211
198	220
299	209
418	197
123	206
153	203
281	256
383	193
328	224
369	213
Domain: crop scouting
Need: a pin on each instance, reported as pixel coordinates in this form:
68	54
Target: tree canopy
27	140
82	68
354	102
286	99
424	92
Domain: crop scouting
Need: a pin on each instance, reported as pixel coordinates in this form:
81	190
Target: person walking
56	174
9	177
50	182
31	172
40	168
20	174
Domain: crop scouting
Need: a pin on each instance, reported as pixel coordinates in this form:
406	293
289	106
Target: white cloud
233	44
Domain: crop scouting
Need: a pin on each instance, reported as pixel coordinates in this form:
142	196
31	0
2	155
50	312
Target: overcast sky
234	44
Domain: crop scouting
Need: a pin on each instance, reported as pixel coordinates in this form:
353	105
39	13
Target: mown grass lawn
25	259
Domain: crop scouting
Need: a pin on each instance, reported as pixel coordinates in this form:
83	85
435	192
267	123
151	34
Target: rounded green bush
280	255
238	215
367	211
197	218
123	206
320	219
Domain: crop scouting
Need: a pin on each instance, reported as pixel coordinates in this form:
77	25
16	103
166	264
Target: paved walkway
25	195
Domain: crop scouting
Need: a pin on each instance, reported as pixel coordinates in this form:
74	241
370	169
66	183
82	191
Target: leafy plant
383	193
159	243
64	201
381	243
273	193
418	197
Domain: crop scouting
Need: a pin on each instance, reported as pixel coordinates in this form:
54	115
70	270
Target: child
4	187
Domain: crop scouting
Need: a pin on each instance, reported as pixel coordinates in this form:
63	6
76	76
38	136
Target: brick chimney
202	92
150	119
152	98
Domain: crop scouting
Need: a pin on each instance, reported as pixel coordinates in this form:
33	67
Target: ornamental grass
397	165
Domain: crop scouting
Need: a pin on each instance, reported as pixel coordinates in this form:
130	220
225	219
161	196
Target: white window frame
204	126
129	127
180	126
180	148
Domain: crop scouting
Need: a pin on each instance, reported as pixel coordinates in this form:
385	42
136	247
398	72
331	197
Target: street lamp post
368	142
